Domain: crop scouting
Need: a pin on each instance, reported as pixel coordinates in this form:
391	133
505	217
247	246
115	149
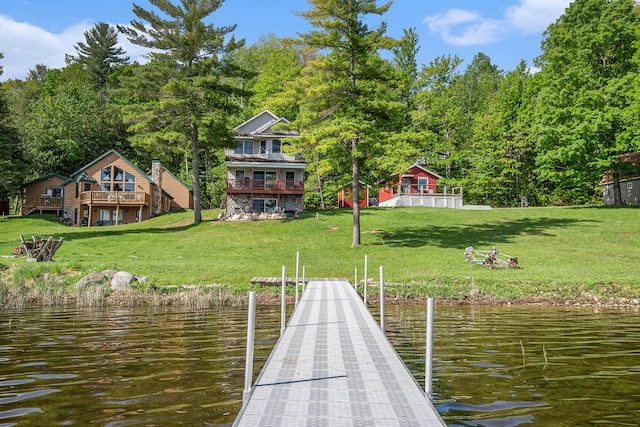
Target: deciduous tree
580	128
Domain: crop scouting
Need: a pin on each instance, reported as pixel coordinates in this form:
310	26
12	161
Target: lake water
493	366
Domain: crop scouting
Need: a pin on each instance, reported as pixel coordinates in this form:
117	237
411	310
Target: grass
582	253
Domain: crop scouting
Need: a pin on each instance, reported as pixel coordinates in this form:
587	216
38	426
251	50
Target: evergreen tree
183	98
10	162
99	53
404	59
347	105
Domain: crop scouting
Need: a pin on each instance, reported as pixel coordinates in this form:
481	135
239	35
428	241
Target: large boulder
91	279
122	280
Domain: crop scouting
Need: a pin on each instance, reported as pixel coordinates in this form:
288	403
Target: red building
414	181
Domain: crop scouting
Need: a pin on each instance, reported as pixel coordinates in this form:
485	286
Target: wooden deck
333	366
277	281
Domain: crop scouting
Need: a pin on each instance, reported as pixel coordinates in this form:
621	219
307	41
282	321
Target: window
244	147
106	174
289	178
263	147
105	217
629	185
265	205
108	217
423	184
276	146
115	179
118	174
269	178
87	186
54	192
240	174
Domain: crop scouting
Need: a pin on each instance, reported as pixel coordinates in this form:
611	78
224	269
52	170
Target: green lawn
564	253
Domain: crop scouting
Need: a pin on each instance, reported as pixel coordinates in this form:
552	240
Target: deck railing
43	203
427	190
265	186
115	197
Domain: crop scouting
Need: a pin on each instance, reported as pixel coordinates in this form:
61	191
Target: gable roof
96	160
177	179
632	159
258	120
84	177
51	175
262	123
415	165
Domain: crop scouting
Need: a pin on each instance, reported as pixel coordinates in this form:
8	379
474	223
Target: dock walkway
333	366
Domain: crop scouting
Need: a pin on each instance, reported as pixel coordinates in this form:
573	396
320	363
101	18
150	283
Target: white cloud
25	45
464	27
534	16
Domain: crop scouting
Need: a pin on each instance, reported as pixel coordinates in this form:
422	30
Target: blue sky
43	31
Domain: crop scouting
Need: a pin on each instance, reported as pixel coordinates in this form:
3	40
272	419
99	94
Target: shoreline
195	300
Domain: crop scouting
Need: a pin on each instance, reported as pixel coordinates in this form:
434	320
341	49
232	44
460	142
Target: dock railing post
355	280
297	270
283	316
428	375
364	292
251	327
382	298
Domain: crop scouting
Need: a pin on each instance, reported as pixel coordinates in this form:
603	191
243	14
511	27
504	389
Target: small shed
345	196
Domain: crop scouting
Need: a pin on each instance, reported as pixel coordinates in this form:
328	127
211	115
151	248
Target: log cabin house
110	190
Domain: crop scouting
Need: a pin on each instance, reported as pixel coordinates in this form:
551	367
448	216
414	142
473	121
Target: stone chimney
156	191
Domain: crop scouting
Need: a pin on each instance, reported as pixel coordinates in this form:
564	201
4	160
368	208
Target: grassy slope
563	252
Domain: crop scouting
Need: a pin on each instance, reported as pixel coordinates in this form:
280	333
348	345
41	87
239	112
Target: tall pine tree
346	103
99	53
183	96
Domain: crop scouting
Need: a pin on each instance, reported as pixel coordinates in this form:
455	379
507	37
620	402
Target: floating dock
333	366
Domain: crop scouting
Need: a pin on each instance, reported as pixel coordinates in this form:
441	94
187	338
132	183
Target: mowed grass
564	253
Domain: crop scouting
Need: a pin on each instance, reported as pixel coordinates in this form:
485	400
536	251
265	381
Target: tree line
504	135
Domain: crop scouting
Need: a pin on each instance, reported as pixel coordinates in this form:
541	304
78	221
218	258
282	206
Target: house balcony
115	198
42	204
257	186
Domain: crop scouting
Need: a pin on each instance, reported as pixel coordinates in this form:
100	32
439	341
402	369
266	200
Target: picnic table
40	249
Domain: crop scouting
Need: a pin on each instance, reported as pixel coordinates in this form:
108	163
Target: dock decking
333	366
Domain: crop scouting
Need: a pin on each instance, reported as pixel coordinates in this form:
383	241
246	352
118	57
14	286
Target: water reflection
494	366
508	366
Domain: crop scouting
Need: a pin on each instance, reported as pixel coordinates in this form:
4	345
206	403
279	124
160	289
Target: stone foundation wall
242	203
238	203
291	203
